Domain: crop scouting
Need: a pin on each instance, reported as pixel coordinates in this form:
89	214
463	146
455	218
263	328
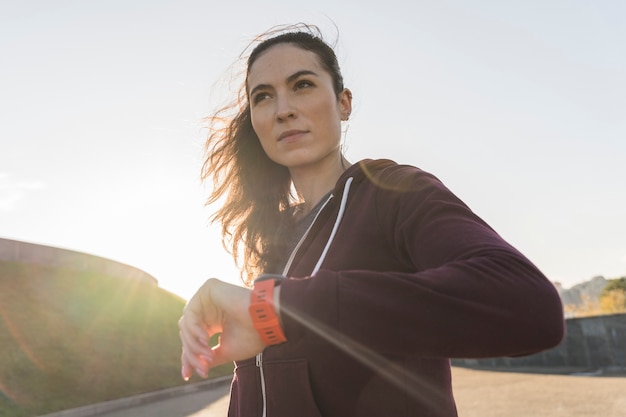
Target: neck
313	183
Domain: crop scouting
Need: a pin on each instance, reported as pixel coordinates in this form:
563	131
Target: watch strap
263	314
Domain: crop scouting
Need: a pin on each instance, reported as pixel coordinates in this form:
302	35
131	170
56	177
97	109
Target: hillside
71	338
580	293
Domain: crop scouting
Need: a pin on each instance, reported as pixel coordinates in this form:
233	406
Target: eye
303	84
259	97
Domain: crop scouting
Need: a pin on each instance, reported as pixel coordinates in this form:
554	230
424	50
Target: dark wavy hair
256	190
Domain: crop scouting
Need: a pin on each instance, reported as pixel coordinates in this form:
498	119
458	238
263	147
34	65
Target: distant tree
615	284
613	302
613	297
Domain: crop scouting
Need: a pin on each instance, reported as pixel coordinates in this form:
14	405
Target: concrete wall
30	253
592	343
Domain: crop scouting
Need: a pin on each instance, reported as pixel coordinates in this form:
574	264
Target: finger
196	339
194	334
190	321
198	330
193	363
185	369
196	356
188	367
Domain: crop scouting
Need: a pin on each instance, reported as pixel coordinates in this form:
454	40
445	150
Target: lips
291	135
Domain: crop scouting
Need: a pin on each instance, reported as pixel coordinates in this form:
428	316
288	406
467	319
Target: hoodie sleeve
468	293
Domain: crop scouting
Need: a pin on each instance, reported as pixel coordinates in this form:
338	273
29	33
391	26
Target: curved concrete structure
34	254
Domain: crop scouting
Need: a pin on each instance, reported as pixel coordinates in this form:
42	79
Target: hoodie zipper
344	198
259	364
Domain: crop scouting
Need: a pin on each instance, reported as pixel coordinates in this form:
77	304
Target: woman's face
295	111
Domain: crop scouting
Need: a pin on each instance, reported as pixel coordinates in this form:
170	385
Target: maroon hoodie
395	276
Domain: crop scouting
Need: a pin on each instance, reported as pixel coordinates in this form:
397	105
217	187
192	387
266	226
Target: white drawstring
295	250
342	209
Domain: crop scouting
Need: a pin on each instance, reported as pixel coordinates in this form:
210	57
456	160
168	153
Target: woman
378	274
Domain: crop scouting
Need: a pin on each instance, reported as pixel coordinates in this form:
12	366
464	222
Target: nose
284	109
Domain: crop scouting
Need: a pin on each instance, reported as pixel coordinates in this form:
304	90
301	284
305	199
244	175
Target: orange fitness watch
262	311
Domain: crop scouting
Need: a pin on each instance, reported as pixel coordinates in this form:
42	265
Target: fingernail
183	373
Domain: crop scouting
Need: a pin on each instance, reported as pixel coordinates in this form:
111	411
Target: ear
345	103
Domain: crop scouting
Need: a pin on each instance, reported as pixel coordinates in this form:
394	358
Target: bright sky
518	106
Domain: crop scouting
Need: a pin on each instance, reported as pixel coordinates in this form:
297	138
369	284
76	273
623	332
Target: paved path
478	394
508	394
209	403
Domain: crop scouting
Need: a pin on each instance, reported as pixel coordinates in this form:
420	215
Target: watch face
276	277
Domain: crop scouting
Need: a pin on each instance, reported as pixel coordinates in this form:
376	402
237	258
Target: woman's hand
217	307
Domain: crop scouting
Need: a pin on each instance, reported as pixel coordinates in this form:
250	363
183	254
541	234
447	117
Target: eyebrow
290	79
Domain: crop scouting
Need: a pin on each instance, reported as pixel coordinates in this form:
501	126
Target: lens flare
415	386
24	348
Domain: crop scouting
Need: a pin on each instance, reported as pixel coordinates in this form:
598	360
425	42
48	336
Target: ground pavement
478	394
